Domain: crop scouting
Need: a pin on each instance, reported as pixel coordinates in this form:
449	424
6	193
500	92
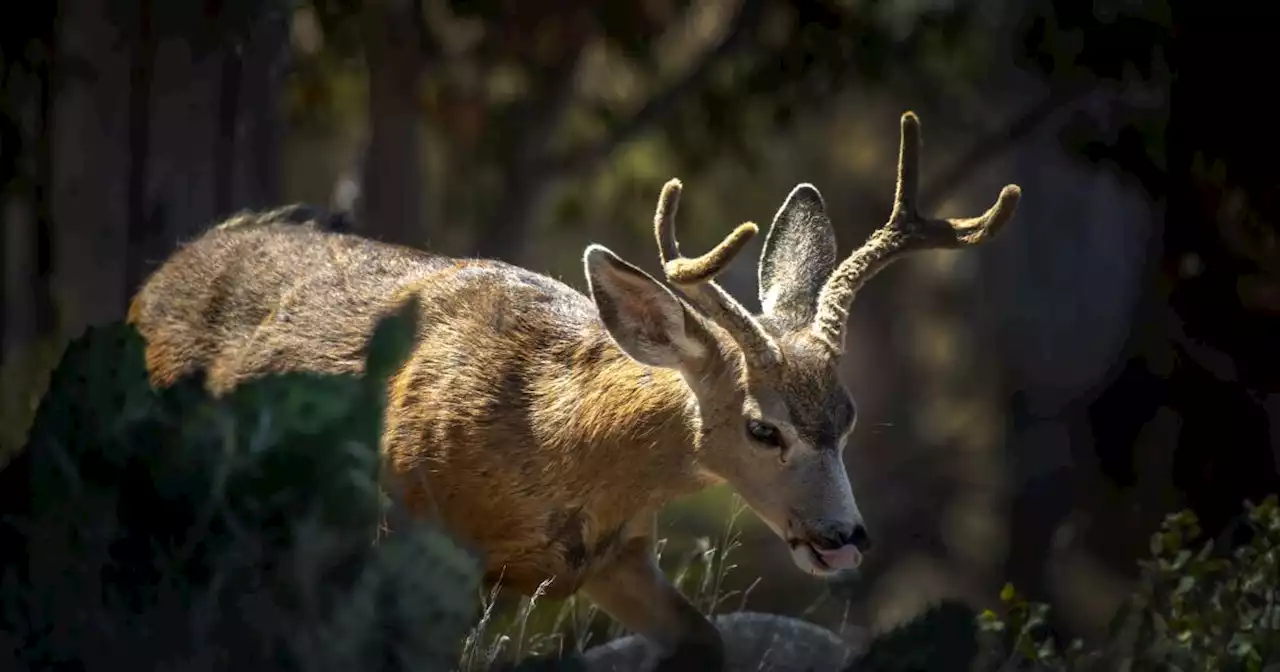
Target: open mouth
816	556
830	561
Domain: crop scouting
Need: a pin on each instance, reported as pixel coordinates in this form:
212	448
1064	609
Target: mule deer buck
546	427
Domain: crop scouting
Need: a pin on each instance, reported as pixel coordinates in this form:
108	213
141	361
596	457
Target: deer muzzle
829	547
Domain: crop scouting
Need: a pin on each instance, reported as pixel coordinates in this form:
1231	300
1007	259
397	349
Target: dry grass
530	627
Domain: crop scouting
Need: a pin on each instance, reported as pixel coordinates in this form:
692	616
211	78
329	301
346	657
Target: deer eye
764	433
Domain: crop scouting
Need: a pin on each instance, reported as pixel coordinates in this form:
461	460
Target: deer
546	426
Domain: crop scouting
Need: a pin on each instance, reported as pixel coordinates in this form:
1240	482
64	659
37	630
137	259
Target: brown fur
546	426
494	438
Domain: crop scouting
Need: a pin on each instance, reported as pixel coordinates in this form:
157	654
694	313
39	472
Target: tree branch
665	102
994	144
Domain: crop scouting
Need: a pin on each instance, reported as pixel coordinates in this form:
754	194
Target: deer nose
836	537
859	538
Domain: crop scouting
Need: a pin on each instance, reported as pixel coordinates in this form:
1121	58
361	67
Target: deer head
772	416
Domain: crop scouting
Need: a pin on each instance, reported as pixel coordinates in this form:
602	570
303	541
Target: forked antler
696	277
905	232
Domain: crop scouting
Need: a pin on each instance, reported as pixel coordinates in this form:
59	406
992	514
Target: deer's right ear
647	321
799	255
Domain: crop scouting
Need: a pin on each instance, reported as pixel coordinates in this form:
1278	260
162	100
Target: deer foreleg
633	590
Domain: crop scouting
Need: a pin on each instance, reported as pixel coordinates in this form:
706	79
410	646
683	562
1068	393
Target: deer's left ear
646	320
799	255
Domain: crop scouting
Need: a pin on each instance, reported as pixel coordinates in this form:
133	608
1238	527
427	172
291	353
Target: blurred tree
27	312
202	115
1178	76
127	127
526	96
398	51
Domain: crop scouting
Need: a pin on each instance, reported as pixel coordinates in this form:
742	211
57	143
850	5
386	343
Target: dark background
1029	410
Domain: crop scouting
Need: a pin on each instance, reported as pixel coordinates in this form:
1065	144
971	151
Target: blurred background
1029	410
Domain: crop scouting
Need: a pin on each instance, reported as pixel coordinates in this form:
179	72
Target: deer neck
633	426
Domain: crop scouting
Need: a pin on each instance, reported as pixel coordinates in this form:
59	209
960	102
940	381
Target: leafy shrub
170	530
1197	608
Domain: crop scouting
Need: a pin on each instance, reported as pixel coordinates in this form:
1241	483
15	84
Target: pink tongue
845	557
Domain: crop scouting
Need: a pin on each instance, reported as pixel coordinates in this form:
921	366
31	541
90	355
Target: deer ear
799	255
647	321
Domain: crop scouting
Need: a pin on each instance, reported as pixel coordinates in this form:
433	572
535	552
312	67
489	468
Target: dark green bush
1197	608
170	530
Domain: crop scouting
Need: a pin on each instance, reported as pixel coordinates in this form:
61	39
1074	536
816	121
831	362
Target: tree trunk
90	147
28	316
506	233
393	175
23	333
257	178
140	223
205	135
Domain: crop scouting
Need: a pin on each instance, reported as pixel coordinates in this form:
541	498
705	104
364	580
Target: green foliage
1197	608
710	88
800	56
170	529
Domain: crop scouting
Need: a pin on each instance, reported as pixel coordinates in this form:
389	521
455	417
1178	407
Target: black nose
859	538
834	537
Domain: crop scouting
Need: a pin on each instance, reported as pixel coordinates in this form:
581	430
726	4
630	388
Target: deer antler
696	277
905	232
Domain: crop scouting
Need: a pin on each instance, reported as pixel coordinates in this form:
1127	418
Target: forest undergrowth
172	530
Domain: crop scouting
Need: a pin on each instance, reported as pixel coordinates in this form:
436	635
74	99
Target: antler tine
696	276
908	187
906	231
